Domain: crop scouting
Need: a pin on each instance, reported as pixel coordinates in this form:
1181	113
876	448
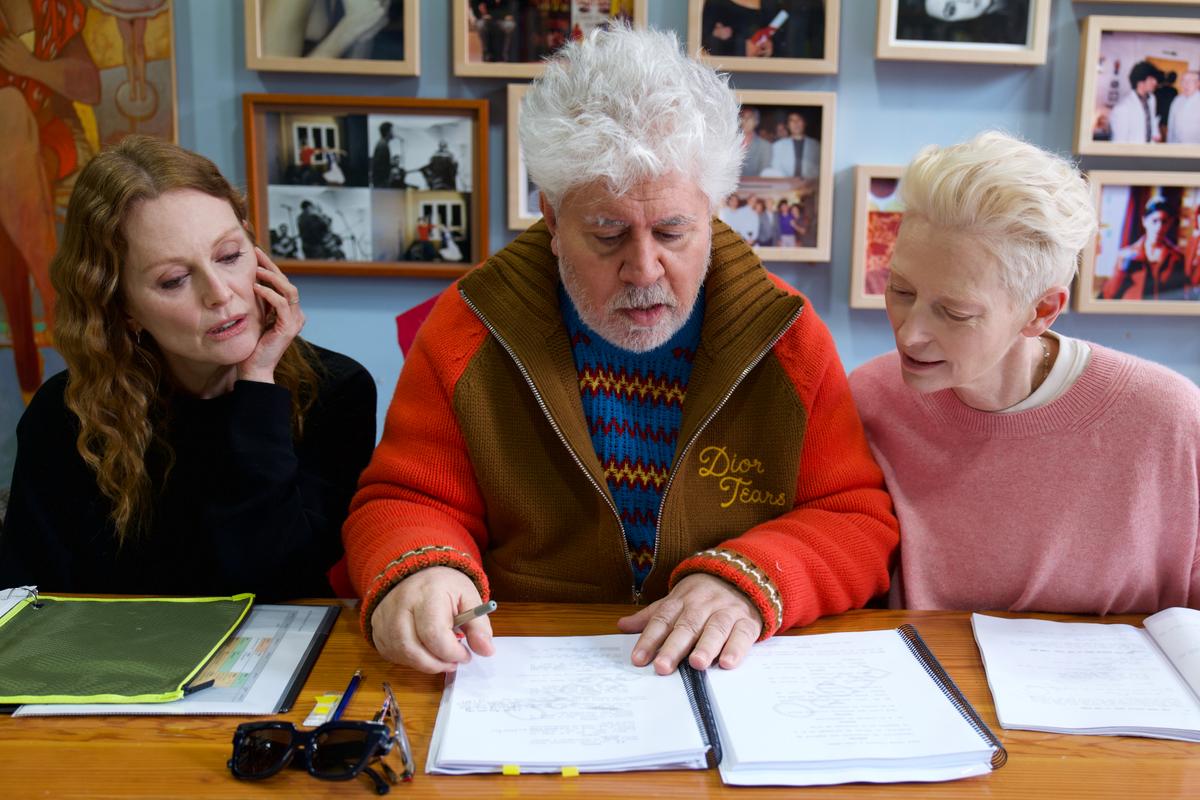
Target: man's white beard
613	326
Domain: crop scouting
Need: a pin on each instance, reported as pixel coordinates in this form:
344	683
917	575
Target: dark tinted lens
338	752
262	752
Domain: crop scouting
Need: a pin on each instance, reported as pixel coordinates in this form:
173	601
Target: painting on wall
74	76
878	211
765	35
510	38
363	37
1146	259
1139	91
981	31
368	185
784	197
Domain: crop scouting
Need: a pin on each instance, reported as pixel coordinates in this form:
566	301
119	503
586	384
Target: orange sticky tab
510	769
570	772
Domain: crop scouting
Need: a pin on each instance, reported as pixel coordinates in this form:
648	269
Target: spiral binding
916	645
695	683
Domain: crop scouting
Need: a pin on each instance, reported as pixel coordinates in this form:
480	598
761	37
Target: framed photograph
1146	2
784	198
877	214
359	37
773	36
522	192
368	185
1147	254
509	39
980	31
115	68
1139	87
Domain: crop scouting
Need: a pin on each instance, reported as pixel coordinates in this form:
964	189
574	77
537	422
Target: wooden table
184	757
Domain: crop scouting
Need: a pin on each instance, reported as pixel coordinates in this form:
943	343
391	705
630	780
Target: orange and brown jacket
486	463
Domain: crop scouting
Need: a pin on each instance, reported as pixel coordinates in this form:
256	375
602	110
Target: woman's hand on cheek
282	320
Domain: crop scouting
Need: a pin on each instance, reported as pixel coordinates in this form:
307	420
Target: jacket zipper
662	503
537	396
553	424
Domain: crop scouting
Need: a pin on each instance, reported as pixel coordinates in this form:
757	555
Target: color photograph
782	202
1141	96
765	35
510	38
1147	254
877	215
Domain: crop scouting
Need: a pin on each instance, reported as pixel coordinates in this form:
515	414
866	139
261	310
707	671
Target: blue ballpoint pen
346	695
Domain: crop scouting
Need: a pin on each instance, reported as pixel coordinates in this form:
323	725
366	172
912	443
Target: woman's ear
1046	309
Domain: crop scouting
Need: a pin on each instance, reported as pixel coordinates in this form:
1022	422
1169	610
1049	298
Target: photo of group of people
776	201
763	28
1147	88
526	31
369	187
1149	245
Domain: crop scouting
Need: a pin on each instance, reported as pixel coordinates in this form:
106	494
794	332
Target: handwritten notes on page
840	707
1095	678
544	703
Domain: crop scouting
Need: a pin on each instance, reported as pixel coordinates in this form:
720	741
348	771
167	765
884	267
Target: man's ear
551	220
1046	309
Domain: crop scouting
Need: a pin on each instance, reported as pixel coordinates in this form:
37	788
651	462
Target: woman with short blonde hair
1030	471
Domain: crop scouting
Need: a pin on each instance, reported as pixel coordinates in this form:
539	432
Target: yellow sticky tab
510	769
570	772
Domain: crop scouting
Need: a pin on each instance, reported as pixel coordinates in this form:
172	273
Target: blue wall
886	111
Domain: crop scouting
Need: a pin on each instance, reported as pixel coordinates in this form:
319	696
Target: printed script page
1078	676
1177	632
836	697
575	701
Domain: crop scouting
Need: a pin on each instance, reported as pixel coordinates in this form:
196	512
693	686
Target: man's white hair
624	106
1029	208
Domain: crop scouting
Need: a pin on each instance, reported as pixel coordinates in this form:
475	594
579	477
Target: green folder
109	650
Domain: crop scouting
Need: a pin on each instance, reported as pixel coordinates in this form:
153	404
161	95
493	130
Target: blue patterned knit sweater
633	403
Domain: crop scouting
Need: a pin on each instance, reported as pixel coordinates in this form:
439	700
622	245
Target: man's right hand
412	624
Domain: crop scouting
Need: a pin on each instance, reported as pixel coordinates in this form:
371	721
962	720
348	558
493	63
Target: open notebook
801	710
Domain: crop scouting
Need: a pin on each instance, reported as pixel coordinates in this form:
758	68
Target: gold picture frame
991	47
876	223
523	43
806	188
278	47
1104	105
826	63
1146	257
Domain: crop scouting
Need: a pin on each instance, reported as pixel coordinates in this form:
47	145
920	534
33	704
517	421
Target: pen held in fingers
478	611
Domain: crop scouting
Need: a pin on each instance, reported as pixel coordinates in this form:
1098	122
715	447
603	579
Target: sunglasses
335	751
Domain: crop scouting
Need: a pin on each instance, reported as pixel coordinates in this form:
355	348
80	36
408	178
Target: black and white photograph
349	36
987	31
419	152
320	224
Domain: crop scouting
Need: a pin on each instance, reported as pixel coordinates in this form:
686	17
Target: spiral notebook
872	706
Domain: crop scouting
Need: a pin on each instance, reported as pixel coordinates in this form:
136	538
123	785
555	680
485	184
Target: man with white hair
621	405
1183	123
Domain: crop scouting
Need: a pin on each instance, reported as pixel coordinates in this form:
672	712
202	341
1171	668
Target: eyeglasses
335	751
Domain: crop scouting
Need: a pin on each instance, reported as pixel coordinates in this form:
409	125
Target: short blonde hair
1030	208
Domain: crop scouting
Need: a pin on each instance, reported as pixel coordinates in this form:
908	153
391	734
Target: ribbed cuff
740	571
414	561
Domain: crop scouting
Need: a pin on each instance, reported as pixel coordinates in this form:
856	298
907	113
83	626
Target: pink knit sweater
1089	504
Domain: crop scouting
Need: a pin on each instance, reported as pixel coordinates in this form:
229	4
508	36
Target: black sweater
243	509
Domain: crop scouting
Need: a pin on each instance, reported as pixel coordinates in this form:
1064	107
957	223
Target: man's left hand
704	616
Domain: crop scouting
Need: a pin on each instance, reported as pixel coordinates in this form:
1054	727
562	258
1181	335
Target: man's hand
412	624
703	615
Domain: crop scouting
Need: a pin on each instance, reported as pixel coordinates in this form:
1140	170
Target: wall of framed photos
886	109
